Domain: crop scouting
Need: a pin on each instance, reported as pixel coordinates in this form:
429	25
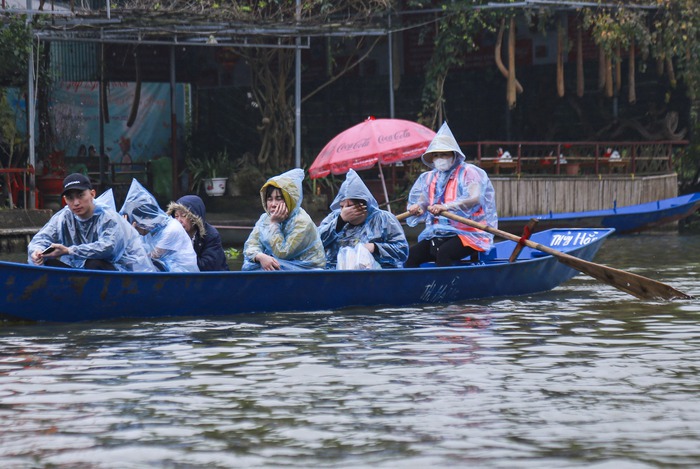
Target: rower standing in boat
455	186
356	220
88	235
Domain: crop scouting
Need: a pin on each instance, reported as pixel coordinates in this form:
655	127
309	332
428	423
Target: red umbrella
370	142
373	141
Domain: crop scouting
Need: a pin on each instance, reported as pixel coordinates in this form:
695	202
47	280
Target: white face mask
443	164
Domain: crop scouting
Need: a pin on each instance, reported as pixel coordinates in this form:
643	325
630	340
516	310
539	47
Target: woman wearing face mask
455	186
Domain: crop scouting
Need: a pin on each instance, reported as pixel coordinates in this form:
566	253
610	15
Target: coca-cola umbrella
373	141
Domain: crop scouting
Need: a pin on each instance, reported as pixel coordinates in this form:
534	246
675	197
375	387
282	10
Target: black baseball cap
77	182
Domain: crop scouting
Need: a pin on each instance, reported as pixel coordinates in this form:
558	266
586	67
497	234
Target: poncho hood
290	183
354	188
443	141
192	207
141	206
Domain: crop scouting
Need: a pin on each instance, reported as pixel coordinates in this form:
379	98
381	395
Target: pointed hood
443	141
290	183
141	206
354	188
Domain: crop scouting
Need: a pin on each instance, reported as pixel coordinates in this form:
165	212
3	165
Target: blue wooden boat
40	293
628	219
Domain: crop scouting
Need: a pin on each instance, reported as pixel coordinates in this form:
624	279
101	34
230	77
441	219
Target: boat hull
66	295
628	219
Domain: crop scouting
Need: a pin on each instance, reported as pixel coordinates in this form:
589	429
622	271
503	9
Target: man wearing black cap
87	235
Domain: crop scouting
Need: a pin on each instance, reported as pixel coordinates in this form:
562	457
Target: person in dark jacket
190	212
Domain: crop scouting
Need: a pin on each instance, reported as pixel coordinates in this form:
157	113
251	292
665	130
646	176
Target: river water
582	376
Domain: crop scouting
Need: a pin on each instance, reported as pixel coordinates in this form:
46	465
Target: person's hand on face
277	208
279	212
352	212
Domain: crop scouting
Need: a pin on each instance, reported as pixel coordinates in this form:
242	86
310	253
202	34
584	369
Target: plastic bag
356	258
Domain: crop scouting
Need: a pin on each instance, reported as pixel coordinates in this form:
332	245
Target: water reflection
583	376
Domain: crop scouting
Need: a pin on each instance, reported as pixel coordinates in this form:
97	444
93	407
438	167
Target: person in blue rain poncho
284	237
166	241
357	222
455	186
88	233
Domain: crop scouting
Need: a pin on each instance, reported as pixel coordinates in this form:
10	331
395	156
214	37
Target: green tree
270	54
15	45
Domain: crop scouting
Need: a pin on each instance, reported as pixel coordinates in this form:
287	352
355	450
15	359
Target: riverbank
234	217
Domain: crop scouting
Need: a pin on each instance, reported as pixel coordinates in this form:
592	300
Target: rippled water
583	376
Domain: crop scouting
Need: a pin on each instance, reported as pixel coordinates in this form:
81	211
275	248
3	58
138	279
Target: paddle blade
636	285
642	287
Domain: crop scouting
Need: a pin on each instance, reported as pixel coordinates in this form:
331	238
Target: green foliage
328	185
11	141
456	36
213	165
669	33
250	179
15	45
232	253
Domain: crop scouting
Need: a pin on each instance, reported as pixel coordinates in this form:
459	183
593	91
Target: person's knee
56	263
98	264
443	258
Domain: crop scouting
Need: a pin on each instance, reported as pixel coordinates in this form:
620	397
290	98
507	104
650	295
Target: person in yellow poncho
285	237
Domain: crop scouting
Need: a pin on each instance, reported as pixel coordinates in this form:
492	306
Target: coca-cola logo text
399	135
343	147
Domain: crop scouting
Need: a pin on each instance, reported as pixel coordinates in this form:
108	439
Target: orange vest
450	195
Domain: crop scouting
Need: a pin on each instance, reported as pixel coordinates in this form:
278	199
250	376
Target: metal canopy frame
172	29
66	26
190	30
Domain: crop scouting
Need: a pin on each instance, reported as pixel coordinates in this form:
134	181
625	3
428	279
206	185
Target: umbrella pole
386	194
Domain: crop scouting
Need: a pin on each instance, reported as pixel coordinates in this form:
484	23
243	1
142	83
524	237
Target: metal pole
101	115
391	105
297	94
391	70
31	104
173	128
386	195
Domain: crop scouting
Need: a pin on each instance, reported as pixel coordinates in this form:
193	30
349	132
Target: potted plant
212	171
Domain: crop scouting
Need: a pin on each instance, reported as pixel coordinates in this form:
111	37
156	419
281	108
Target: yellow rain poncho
295	242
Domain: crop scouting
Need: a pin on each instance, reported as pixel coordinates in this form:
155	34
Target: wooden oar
403	216
636	285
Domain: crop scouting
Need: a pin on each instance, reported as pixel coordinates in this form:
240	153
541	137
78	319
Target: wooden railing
573	158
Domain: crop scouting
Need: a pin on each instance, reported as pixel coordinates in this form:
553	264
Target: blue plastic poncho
465	189
105	235
166	240
294	242
107	199
380	227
